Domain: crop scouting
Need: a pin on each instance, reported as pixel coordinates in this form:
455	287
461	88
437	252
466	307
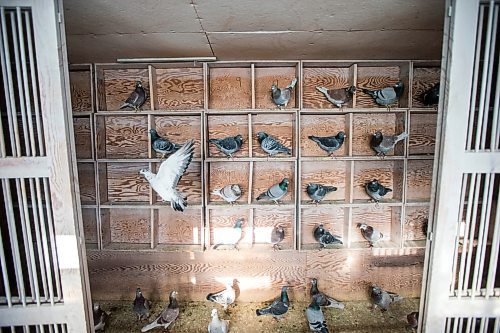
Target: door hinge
59	17
430	236
450	9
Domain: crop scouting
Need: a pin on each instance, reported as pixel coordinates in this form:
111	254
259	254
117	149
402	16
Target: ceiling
104	30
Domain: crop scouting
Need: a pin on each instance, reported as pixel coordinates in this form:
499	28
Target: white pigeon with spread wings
169	174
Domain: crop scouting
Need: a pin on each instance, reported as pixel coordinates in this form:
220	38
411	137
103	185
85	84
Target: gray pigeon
162	145
431	96
217	325
277	236
167	316
382	144
338	97
329	143
136	98
278	307
324	237
376	190
224	297
412	319
230	193
271	145
233	237
315	318
169	174
317	191
228	145
281	97
275	192
100	317
382	298
141	305
388	95
322	299
370	234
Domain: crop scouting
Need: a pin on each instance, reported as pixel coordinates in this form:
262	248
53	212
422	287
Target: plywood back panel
264	79
223	126
81	93
230	88
179	88
323	125
265	219
266	174
331	217
179	228
126	137
119	83
328	77
279	126
179	129
221	174
125	183
331	173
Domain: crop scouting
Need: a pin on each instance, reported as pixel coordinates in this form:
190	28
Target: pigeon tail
314	138
149	326
262	196
217	191
179	203
322	90
261	312
124	106
400	137
216	141
329	189
292	84
369	92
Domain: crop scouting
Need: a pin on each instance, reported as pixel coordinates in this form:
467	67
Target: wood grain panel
375	78
266	174
419	180
388	173
422	140
86	179
83	137
179	228
280	126
378	217
130	226
127	137
329	77
332	173
264	221
424	78
119	83
125	183
222	221
81	95
322	125
179	88
415	223
189	185
89	220
331	217
224	173
220	127
264	79
365	125
230	88
179	129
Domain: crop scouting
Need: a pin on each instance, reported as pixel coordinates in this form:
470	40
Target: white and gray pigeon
271	145
275	192
217	325
225	297
277	236
167	316
229	193
232	237
382	298
322	299
281	96
329	143
228	145
338	97
136	98
169	174
369	233
100	316
141	305
316	318
324	237
162	145
376	190
388	95
383	144
412	319
278	307
317	192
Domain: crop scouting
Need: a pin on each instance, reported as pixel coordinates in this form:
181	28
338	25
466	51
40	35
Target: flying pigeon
169	174
141	305
233	236
271	145
329	143
100	317
167	316
315	318
230	193
388	95
228	145
277	236
412	319
338	97
376	190
275	192
431	96
382	144
317	191
224	297
136	98
278	307
162	145
324	237
281	97
370	234
217	325
322	299
382	298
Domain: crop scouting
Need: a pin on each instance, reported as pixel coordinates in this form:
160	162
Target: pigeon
329	143
376	190
217	325
382	298
281	97
230	193
278	307
271	145
317	191
277	236
315	317
431	96
324	237
141	305
169	174
275	192
162	145
224	297
100	317
136	98
232	237
412	319
370	234
167	316
383	144
228	145
338	97
388	95
323	300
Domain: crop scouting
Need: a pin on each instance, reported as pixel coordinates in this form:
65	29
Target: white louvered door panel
462	289
42	262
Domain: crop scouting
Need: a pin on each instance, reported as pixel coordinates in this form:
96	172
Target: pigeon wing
275	192
168	316
132	99
172	169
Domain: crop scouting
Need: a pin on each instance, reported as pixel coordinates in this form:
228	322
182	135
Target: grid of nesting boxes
203	101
